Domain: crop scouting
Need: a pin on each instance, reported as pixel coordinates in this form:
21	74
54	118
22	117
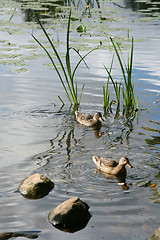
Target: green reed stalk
106	93
116	85
66	76
129	103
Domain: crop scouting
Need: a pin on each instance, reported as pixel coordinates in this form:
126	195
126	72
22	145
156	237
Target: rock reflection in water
72	229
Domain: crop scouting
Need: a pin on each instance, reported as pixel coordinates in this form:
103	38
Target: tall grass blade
68	63
53	47
119	59
66	76
106	94
61	100
54	66
59	59
82	91
115	85
129	103
82	59
68	48
77	51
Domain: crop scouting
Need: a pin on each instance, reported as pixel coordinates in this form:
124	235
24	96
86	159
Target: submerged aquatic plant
127	88
66	75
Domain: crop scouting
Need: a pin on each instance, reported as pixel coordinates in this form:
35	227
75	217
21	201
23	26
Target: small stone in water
35	186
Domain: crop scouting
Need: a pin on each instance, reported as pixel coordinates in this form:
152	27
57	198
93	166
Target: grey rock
70	216
35	186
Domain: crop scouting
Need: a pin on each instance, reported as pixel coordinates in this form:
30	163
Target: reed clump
124	90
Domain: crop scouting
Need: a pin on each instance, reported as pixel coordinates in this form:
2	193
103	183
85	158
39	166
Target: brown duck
88	119
111	166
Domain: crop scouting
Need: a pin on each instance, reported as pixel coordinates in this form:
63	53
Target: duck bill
129	165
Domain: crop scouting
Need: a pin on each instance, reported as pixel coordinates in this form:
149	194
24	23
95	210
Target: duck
112	167
88	119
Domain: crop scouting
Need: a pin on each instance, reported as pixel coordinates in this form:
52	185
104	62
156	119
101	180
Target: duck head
124	161
96	160
98	117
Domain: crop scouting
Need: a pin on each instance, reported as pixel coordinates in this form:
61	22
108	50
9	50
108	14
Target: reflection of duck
121	180
88	119
111	166
97	132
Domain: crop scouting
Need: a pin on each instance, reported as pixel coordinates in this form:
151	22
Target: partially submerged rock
155	235
35	186
70	216
27	234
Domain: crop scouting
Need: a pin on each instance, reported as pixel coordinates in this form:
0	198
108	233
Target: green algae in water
97	27
13	62
148	19
16	28
13	31
81	47
31	57
9	56
5	49
28	46
9	4
85	40
3	41
142	1
20	70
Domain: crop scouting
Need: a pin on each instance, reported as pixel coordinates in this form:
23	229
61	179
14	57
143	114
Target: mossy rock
35	186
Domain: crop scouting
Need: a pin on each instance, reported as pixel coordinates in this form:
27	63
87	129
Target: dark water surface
37	136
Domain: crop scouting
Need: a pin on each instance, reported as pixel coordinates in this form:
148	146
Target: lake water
38	136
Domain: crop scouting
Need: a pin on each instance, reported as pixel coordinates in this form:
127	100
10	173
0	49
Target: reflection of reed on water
137	5
156	137
67	141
